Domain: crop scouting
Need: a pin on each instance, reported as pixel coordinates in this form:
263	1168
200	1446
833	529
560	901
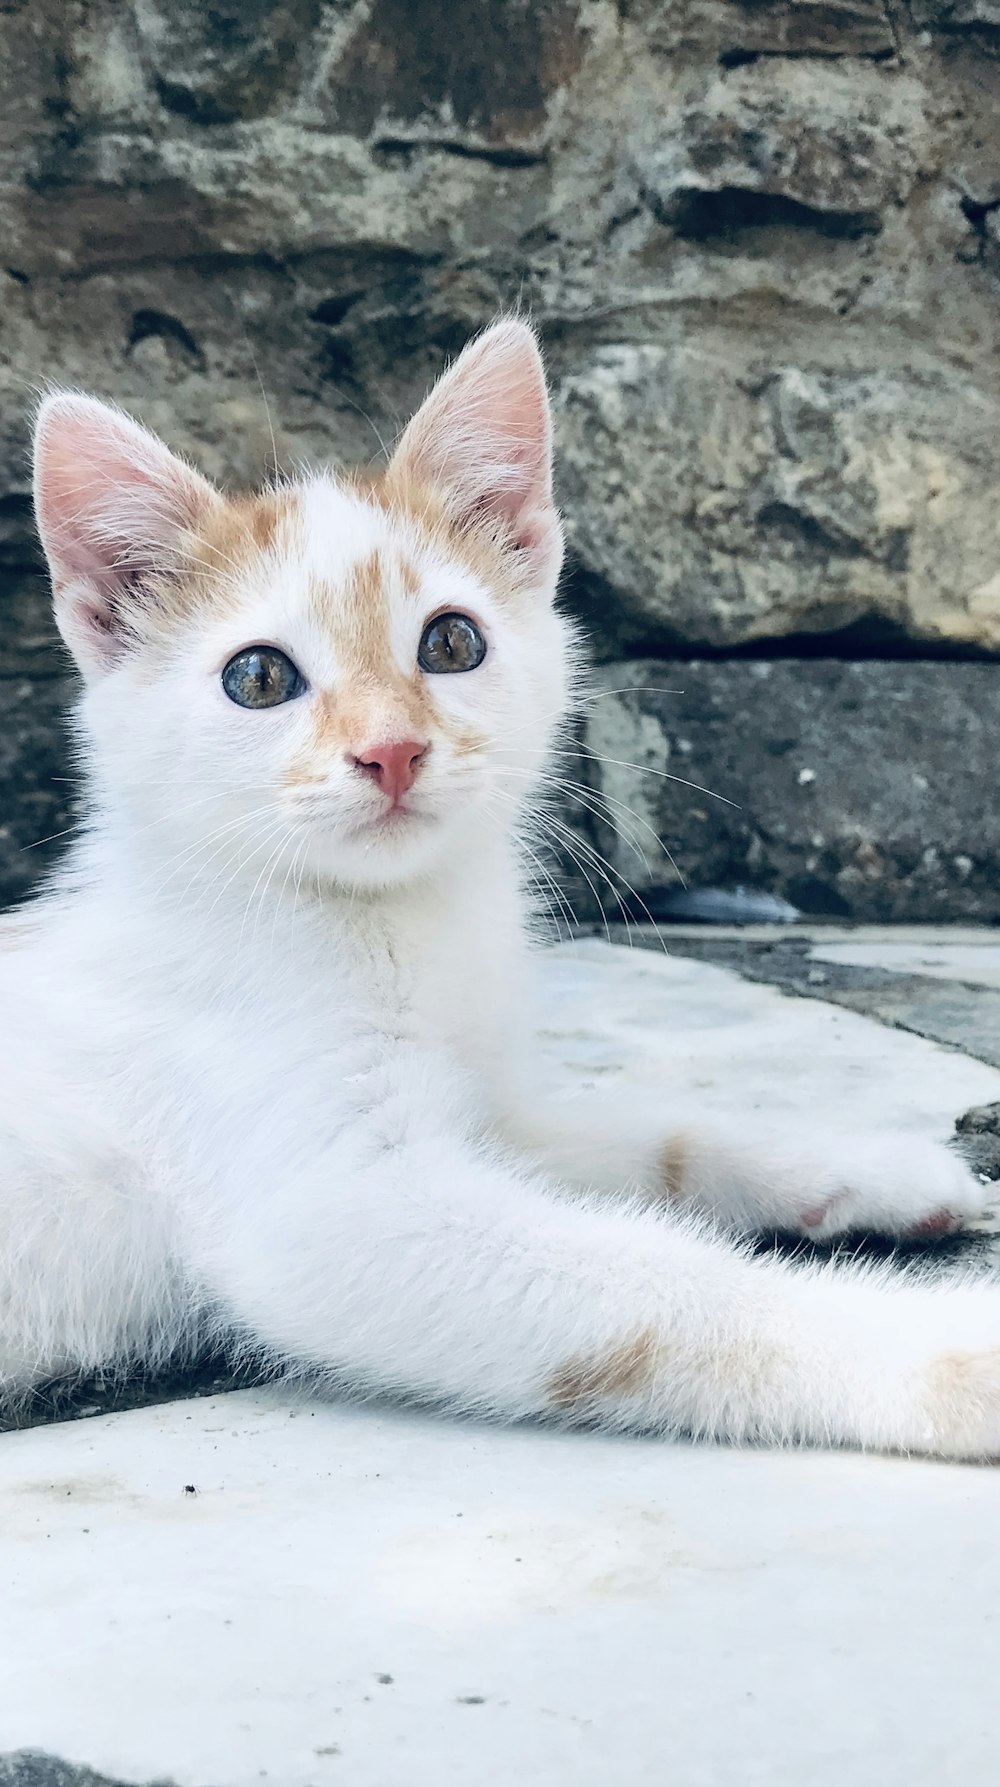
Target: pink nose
393	767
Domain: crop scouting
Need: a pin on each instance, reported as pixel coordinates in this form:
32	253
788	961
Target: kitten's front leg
751	1176
400	1257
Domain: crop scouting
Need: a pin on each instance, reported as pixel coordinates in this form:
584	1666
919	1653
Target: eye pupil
261	676
451	642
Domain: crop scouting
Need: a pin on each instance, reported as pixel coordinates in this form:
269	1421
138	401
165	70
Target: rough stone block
862	790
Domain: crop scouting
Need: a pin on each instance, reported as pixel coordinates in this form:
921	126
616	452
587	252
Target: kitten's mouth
392	818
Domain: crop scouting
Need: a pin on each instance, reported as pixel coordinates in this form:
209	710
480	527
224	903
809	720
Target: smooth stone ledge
707	1038
941	982
393	1599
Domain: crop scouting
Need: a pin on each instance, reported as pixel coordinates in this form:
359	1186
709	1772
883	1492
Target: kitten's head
354	675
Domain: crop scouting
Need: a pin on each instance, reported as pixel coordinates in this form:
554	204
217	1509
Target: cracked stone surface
762	245
235	1586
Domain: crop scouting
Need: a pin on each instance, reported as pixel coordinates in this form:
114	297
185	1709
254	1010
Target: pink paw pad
817	1214
941	1222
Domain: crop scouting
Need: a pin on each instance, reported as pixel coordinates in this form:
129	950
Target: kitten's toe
940	1222
897	1187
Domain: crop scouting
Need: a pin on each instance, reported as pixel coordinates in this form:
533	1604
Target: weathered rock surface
858	789
760	237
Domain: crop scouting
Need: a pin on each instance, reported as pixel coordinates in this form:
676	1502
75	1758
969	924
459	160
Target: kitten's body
147	1048
265	1055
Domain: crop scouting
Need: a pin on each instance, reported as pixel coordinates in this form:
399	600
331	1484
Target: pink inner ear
113	505
110	497
484	434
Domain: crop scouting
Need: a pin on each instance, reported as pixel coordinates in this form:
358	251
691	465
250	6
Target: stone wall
761	239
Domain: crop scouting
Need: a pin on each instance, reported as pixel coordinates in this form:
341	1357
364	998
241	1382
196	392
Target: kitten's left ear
113	507
484	438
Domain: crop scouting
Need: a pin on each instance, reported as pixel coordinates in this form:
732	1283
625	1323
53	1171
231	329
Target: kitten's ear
484	437
113	505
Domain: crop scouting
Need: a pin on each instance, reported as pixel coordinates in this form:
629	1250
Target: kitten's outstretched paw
896	1187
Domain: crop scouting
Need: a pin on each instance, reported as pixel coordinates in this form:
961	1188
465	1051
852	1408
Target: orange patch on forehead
473	544
230	536
240	530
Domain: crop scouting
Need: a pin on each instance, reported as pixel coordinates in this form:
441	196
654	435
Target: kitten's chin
388	853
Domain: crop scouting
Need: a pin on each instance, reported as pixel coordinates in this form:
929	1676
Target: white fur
264	1068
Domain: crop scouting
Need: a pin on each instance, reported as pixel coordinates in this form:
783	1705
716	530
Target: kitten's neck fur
440	958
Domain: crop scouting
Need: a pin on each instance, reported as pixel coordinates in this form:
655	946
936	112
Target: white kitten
264	1065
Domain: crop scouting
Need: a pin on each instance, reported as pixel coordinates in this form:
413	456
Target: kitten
265	1067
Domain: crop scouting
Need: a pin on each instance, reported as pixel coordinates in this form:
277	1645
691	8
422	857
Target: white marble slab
387	1599
551	1609
973	961
707	1039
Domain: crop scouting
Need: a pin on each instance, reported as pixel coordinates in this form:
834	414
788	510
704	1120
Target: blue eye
451	642
262	676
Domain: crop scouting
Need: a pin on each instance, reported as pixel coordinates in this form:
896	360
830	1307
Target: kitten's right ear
112	505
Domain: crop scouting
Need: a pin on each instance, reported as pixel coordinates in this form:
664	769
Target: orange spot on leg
623	1370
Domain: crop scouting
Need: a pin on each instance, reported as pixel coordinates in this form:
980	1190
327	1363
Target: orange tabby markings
379	701
237	530
622	1371
475	543
232	534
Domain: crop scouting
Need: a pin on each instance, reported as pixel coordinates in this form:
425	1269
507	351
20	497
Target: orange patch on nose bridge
349	724
379	698
375	700
623	1370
